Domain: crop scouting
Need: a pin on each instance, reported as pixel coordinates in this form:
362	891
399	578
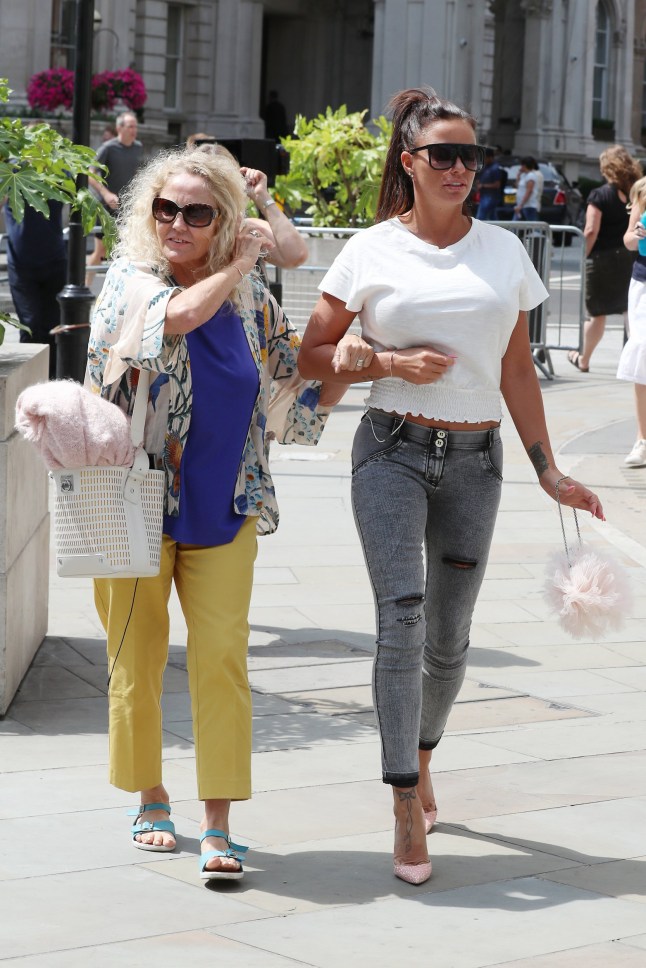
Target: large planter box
24	525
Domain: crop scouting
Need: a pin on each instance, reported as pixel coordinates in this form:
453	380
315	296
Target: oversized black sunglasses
443	156
195	214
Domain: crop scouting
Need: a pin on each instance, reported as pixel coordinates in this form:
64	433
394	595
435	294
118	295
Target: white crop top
463	300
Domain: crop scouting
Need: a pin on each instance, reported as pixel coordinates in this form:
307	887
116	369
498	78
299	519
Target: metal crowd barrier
554	325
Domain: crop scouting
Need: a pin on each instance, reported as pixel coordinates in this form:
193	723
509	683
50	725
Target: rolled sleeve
128	323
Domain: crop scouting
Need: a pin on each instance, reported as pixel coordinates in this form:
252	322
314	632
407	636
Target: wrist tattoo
537	457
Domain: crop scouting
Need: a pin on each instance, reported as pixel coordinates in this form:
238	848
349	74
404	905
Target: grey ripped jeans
425	502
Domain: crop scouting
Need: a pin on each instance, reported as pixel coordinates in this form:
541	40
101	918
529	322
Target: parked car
561	202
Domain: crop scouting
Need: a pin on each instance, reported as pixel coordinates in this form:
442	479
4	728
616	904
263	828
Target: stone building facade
557	78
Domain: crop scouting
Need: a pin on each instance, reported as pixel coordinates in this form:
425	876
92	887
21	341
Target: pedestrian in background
448	333
490	184
109	132
609	263
199	138
632	362
37	271
275	118
122	156
529	189
288	248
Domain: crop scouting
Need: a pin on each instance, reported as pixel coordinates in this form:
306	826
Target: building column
237	50
25	29
509	36
623	57
538	65
434	42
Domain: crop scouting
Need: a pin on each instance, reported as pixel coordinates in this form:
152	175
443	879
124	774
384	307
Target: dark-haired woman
442	300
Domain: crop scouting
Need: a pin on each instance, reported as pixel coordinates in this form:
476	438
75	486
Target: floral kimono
128	335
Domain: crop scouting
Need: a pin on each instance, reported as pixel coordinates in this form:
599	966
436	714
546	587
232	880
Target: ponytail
412	110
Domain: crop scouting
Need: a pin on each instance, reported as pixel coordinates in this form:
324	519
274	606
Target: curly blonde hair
137	235
619	168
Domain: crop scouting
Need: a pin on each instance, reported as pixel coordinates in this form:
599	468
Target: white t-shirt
463	300
536	178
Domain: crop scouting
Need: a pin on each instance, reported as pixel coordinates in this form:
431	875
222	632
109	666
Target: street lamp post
75	298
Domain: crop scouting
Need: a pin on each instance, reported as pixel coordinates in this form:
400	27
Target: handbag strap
576	521
138	419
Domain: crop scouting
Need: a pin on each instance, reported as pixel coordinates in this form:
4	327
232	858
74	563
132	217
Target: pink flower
51	89
54	88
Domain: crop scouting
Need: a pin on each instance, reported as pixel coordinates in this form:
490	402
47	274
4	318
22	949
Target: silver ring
360	364
256	234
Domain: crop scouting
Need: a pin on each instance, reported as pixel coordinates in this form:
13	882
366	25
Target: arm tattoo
537	457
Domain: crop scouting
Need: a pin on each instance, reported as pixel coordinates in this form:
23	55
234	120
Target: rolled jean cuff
429	744
401	779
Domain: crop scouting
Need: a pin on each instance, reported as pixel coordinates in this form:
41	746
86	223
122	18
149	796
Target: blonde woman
608	262
632	362
182	301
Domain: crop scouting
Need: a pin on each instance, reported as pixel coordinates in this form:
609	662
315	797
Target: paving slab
614	954
589	833
108	907
194	949
575	738
470	928
623	878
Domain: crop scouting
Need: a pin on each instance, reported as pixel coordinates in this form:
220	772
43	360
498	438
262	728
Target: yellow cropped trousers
214	589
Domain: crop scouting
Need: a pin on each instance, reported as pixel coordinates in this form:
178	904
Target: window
174	44
600	107
63	28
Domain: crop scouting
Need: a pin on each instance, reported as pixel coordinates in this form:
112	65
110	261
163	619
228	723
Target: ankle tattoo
407	797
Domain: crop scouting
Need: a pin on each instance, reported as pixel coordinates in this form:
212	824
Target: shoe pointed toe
413	873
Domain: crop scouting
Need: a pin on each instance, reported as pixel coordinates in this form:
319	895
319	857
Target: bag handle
568	551
138	419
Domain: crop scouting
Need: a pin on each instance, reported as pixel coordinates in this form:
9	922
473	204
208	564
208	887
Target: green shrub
335	166
585	185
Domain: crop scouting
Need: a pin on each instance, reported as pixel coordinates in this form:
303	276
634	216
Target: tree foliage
37	164
335	167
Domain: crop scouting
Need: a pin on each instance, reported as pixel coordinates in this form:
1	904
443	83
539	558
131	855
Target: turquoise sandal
146	827
233	850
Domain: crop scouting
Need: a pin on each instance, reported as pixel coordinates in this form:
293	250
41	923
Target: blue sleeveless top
225	387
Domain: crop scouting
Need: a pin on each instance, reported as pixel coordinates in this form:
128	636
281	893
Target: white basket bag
108	520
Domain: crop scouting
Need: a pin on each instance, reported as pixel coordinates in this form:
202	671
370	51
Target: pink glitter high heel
430	816
413	873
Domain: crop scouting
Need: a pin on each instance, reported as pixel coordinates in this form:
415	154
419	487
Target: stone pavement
541	779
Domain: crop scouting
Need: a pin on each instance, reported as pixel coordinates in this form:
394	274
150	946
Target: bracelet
390	366
233	264
270	201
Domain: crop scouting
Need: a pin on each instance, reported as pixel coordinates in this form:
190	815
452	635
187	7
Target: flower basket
54	88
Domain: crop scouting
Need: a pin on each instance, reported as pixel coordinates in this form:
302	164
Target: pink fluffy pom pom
591	596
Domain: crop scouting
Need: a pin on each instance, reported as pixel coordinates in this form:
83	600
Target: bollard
73	334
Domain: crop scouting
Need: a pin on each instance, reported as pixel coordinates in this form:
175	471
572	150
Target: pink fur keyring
589	590
72	427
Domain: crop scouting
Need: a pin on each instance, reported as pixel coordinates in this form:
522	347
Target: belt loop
491	436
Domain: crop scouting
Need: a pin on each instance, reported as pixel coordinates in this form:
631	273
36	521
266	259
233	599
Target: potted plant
335	166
